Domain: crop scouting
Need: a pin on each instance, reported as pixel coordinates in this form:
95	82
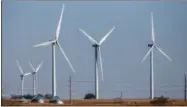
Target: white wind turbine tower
34	72
96	45
152	46
54	43
22	76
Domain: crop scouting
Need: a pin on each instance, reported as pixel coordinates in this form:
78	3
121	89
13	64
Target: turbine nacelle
33	72
150	45
95	45
21	76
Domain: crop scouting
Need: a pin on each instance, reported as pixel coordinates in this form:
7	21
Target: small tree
90	96
160	100
28	96
40	95
48	96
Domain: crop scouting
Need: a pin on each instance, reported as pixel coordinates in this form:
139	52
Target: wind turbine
152	46
96	45
34	75
54	43
22	76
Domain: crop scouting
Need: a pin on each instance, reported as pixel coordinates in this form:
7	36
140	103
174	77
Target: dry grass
100	102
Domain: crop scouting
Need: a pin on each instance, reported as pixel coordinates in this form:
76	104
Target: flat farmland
100	102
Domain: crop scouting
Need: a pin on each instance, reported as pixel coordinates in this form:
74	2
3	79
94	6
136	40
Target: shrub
28	96
48	96
40	95
16	97
160	100
89	96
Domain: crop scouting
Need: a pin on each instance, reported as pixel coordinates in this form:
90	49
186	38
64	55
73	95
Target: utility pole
185	87
70	89
121	95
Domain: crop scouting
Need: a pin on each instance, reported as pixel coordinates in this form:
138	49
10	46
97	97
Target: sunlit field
100	102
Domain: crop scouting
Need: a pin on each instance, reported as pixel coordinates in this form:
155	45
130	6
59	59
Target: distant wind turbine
34	72
153	45
22	77
55	43
96	45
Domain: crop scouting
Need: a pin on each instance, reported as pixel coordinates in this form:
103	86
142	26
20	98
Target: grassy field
100	102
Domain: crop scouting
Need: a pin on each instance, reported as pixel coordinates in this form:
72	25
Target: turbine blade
31	66
162	52
89	37
59	23
44	44
39	66
104	38
26	74
101	63
19	67
153	31
66	57
148	53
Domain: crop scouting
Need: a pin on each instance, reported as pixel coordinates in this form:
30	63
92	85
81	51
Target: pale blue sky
25	24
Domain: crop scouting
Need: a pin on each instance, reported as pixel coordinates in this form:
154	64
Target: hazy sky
25	24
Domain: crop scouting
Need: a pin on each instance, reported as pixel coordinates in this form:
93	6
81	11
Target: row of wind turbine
33	73
98	58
